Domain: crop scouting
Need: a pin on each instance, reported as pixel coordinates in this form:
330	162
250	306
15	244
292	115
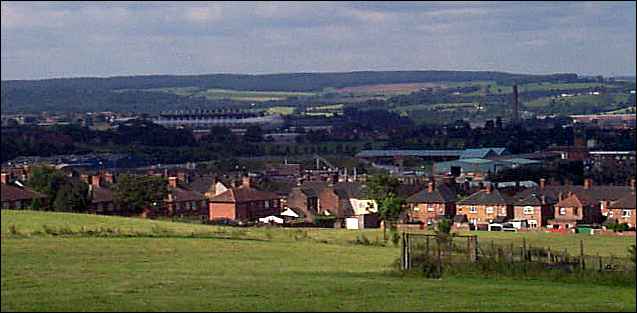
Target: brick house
534	209
16	197
575	208
431	204
305	200
181	201
347	199
623	210
102	201
486	206
243	203
600	196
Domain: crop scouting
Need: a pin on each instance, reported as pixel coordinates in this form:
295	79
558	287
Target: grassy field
258	270
239	95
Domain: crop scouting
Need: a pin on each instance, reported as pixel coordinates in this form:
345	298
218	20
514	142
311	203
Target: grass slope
45	273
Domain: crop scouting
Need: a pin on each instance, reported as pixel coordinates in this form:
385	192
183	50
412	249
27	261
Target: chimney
172	182
632	184
108	178
84	178
588	183
431	186
543	199
95	180
542	183
245	182
4	178
489	188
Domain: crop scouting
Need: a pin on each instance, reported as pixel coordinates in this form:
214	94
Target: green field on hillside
216	94
259	269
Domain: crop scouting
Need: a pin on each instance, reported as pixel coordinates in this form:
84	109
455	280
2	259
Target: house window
266	204
473	210
611	214
528	210
532	223
562	211
430	208
416	209
626	213
575	211
489	210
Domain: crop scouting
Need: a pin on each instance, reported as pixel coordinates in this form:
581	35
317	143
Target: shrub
395	238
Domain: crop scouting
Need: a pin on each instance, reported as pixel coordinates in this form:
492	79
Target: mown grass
257	269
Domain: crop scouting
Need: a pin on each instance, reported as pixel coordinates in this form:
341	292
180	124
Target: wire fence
437	253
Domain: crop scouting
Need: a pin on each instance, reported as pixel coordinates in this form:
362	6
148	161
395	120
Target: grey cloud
99	39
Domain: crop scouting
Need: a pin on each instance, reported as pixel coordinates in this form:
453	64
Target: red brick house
243	203
431	204
182	201
623	210
575	208
19	198
534	209
305	200
486	206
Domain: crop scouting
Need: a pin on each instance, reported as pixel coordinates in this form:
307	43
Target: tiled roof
577	199
14	193
596	193
625	202
532	199
440	194
483	197
243	194
181	194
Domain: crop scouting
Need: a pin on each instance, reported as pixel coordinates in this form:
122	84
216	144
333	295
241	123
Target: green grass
276	272
239	95
281	110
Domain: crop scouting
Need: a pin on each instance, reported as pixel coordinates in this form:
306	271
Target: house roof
625	202
532	200
243	194
596	193
14	193
350	190
577	199
181	194
440	194
483	197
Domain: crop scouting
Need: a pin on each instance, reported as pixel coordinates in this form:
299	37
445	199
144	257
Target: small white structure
271	219
351	223
290	213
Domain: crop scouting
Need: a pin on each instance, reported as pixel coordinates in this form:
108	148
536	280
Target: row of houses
213	198
552	206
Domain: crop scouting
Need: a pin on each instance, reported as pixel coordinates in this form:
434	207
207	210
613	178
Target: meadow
62	261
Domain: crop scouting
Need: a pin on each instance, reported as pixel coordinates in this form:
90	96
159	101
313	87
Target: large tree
134	194
384	190
65	194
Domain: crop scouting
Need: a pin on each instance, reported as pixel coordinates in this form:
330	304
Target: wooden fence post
408	251
548	255
511	258
402	252
439	258
600	261
524	248
581	255
427	247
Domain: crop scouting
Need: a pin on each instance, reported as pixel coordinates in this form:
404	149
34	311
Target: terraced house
431	204
486	206
243	203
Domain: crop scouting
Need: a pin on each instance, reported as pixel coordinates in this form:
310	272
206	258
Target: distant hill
97	94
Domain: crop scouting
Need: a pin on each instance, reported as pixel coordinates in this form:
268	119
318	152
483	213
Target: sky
71	39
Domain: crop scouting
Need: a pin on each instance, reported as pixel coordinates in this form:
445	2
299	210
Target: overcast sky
48	39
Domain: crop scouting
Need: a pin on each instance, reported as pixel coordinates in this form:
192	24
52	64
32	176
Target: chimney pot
95	180
431	186
172	181
588	183
542	183
246	181
4	178
489	188
632	184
